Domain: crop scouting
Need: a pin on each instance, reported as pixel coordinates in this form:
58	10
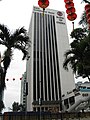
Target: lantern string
43	11
73	25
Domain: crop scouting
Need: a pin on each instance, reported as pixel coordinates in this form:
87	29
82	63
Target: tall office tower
23	91
47	80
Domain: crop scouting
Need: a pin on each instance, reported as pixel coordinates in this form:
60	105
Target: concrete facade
23	90
47	80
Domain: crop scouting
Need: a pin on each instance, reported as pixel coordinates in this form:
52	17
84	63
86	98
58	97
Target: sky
15	14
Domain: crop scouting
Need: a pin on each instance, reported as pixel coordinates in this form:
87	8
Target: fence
44	116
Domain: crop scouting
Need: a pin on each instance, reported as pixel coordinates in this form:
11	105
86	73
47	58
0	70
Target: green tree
16	40
1	106
17	107
83	20
78	57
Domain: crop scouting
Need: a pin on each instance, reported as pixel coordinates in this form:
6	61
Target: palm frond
83	20
68	61
4	34
23	49
19	37
20	31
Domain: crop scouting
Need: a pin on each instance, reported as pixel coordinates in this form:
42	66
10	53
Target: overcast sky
16	14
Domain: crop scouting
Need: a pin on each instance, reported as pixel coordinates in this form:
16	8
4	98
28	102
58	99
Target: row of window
50	109
84	87
85	94
46	78
68	101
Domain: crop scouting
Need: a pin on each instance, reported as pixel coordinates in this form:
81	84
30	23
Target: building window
85	95
72	100
46	108
88	87
38	109
42	109
66	103
34	109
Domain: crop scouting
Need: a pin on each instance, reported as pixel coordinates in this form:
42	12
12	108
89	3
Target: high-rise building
23	90
47	80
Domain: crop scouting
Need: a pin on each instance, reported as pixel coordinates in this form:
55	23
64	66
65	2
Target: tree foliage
78	57
83	20
17	107
16	40
1	106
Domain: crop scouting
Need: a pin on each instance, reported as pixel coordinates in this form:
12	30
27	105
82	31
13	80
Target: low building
82	97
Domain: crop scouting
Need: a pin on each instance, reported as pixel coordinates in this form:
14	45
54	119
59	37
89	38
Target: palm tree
16	40
79	55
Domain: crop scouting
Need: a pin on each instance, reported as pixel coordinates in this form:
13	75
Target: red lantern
89	27
88	20
21	78
70	10
87	9
69	5
87	15
67	1
72	16
43	3
13	79
7	79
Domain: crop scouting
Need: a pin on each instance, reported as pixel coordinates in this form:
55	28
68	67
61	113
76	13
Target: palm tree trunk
2	86
2	81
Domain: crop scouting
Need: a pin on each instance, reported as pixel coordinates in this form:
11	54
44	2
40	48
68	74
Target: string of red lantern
13	79
70	10
71	15
87	9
